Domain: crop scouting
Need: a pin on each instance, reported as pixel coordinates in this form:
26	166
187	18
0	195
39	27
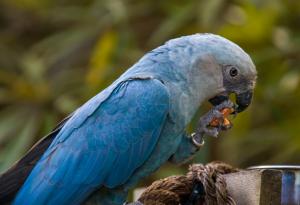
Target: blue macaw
131	128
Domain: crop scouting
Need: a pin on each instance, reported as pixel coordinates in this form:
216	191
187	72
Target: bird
128	130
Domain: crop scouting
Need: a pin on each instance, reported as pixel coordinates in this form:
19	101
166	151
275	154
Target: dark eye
233	71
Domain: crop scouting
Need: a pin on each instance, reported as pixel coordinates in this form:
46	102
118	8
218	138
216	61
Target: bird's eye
233	71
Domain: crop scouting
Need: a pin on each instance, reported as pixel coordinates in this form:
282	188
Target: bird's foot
204	124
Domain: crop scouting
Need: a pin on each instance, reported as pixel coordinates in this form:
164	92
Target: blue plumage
131	128
104	149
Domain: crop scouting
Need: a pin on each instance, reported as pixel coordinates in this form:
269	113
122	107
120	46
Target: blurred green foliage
56	54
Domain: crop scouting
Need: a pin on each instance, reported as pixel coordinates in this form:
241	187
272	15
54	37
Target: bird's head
219	66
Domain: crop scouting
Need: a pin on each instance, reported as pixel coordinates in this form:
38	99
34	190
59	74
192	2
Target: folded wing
103	148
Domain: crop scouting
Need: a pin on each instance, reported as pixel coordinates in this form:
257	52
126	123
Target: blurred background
56	54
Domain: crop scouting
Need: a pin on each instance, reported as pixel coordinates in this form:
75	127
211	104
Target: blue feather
131	128
89	152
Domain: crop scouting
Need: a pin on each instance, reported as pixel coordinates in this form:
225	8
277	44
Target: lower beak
243	100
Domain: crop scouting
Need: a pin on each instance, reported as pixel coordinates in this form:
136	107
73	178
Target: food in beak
223	122
243	100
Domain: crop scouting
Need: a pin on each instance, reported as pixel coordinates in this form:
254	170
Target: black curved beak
243	100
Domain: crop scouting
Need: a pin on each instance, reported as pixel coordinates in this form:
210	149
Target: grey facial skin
236	83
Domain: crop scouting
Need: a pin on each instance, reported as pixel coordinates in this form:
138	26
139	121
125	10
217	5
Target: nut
216	122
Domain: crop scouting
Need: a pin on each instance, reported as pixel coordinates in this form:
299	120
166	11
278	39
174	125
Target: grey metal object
279	167
264	185
255	187
290	188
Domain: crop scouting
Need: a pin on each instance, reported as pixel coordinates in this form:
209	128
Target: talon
216	119
210	116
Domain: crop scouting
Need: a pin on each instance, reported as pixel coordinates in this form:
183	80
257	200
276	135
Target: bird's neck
188	81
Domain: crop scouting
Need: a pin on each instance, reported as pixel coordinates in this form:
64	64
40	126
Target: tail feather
13	179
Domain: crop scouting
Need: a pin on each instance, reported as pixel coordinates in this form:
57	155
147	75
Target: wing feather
104	150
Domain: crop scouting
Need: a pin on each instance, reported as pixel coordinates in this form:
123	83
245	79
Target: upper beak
243	100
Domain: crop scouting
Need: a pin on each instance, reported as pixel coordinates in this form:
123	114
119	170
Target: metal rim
281	167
